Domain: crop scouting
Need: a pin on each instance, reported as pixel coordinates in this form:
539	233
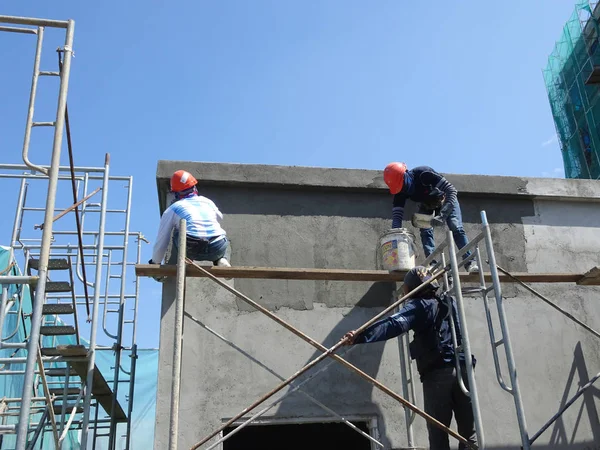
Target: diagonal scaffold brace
327	353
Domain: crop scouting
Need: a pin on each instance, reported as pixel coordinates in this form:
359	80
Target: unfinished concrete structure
332	218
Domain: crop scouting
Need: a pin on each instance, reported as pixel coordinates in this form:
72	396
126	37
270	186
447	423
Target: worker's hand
349	337
438	221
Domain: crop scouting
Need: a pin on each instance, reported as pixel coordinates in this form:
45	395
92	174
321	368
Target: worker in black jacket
435	195
428	316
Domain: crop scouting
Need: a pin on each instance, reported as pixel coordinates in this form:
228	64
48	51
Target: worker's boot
222	262
472	267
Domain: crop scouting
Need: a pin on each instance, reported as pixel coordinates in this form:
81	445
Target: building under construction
250	356
303	251
572	79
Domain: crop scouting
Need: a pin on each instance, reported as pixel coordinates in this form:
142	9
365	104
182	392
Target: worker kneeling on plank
428	315
437	198
206	240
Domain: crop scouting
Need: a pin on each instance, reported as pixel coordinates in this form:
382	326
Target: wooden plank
284	273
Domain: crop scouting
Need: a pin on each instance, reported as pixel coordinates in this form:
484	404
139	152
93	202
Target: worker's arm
398	210
167	222
388	328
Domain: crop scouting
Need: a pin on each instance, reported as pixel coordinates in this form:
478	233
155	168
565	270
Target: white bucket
397	250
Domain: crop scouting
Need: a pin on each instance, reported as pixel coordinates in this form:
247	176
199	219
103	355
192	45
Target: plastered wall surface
332	218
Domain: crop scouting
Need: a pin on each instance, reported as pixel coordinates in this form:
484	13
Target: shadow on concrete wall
366	357
559	436
306	202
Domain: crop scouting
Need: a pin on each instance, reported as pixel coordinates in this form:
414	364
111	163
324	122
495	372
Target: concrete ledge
297	177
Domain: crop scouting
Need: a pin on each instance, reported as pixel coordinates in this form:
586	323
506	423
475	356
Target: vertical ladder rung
499	342
49	74
42	124
490	289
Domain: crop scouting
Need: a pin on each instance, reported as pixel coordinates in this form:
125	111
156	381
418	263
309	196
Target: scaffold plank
287	273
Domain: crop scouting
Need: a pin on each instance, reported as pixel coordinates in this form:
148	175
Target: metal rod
19	30
564	408
23	360
279	400
36	319
49	401
134	358
453	335
327	353
106	290
549	302
38	430
17	279
408	415
31	109
466	344
74	206
37	22
3	303
95	308
272	372
71	417
506	335
119	341
63	408
490	323
178	336
74	301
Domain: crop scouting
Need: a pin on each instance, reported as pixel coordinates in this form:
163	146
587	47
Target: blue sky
455	85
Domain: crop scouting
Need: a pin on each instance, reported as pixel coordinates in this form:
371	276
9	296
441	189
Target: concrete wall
332	218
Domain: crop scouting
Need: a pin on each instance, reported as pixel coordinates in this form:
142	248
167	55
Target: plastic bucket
397	250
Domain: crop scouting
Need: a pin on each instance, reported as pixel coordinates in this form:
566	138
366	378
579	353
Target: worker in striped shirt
436	197
205	239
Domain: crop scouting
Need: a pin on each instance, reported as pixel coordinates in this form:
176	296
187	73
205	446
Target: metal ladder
448	256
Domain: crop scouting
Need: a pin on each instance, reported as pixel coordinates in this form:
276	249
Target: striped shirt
202	221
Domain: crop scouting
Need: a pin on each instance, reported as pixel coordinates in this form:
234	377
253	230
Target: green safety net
11	386
572	79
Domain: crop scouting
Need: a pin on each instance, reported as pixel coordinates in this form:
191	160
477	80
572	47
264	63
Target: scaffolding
488	286
77	270
572	78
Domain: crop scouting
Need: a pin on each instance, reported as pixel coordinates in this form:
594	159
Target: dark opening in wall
307	436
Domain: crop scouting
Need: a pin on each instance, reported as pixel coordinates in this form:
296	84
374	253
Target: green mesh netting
11	386
573	91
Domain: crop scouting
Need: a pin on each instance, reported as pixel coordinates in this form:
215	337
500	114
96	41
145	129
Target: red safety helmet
182	180
393	175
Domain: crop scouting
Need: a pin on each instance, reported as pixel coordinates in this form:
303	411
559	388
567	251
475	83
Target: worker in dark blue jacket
435	195
427	315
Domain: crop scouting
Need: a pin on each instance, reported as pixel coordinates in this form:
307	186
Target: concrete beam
315	178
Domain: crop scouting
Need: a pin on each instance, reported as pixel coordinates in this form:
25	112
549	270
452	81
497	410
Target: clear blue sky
455	85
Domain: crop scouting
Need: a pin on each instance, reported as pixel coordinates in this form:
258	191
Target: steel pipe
36	319
178	336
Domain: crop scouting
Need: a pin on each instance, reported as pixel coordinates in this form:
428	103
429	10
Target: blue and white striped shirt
202	221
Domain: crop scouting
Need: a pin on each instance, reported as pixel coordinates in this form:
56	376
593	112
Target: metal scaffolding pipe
95	308
36	319
17	279
38	22
178	337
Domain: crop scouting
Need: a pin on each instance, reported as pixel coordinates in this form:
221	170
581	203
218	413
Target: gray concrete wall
332	218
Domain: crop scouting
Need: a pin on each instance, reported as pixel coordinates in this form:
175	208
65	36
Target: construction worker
436	196
427	315
206	240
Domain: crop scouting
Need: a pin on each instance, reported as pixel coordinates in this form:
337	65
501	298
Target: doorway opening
303	436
